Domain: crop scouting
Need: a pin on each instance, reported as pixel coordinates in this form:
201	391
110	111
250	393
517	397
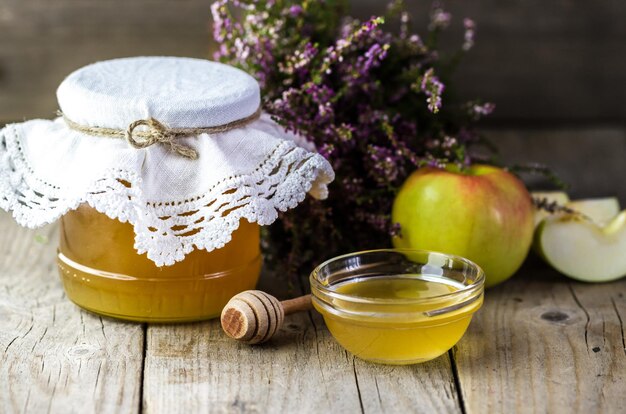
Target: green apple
482	213
558	197
583	250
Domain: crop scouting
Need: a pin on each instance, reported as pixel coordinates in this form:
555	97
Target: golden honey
397	306
406	335
103	273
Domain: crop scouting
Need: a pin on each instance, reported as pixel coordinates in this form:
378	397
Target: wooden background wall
546	64
539	60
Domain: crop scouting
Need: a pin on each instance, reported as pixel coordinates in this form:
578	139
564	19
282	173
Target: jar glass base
103	272
170	300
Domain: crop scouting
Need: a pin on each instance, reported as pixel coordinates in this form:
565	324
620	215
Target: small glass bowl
397	306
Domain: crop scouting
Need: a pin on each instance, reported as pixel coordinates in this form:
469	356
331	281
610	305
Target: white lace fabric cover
175	204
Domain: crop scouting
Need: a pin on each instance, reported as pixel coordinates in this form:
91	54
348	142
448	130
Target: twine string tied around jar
157	132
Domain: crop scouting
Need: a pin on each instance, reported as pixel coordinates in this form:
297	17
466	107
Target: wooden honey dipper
254	316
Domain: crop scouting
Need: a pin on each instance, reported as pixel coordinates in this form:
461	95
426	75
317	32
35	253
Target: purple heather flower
341	87
300	59
449	142
384	164
378	221
353	185
395	230
334	54
371	59
327	150
477	110
220	20
439	18
432	88
432	162
295	10
484	109
470	32
405	21
417	42
345	132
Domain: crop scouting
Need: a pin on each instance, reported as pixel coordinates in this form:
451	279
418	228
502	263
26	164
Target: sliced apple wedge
583	250
559	197
600	210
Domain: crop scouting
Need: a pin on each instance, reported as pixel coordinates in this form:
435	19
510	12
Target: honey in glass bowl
103	273
397	306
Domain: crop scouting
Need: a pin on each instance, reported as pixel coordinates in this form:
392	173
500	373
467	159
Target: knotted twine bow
158	133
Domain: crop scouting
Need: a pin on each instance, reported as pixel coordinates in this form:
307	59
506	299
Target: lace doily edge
117	196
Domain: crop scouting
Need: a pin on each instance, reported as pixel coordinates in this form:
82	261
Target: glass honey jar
120	283
161	172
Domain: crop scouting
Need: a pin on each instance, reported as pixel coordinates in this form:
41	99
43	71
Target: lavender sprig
375	103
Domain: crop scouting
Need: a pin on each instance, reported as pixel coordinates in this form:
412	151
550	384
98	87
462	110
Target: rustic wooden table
541	343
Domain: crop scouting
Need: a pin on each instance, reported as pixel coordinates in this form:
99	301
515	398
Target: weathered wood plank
55	357
545	344
423	388
43	41
427	387
538	60
535	59
195	368
589	160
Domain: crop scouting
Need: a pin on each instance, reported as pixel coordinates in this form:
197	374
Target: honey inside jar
103	273
394	307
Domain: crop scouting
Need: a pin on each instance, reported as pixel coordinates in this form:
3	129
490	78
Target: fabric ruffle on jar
122	146
161	171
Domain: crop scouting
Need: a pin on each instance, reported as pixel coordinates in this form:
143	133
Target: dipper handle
254	316
299	304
